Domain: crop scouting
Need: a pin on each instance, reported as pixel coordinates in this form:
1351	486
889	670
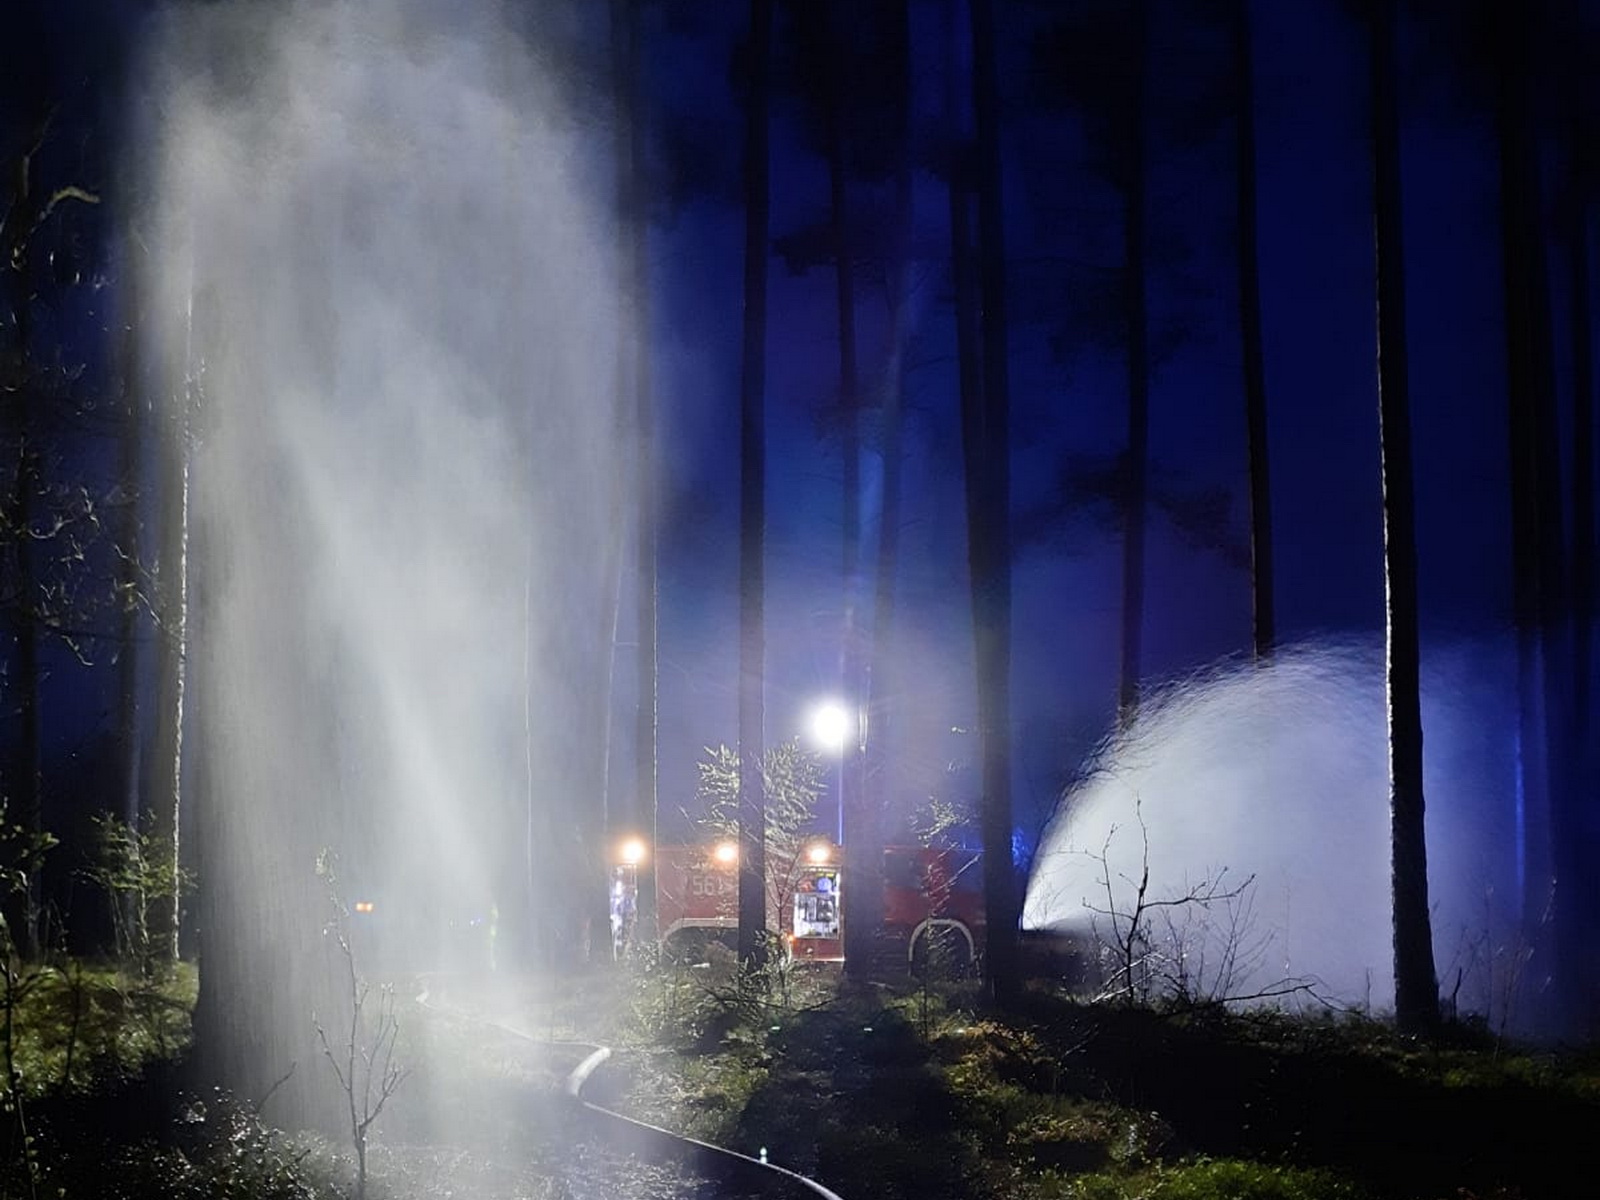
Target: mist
383	298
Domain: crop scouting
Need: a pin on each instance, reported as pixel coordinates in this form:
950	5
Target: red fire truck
932	898
933	903
697	895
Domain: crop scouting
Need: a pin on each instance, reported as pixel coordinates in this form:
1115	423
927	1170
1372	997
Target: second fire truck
932	899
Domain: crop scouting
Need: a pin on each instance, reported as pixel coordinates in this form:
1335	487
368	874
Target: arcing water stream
1267	787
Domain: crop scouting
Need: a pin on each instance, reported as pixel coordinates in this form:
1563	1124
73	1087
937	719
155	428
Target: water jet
1277	774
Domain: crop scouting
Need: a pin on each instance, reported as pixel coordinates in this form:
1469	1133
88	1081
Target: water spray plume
403	321
1267	788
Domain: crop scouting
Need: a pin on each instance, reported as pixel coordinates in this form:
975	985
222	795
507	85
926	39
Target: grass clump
82	1025
97	1052
1206	1179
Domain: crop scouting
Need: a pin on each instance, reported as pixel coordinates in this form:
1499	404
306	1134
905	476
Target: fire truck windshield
816	907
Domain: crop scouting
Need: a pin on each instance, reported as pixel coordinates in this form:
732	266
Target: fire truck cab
697	896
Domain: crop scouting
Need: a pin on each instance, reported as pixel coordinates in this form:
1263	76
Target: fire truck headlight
632	851
727	852
818	852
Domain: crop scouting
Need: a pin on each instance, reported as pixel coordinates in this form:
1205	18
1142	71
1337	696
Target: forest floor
889	1090
923	1091
105	1106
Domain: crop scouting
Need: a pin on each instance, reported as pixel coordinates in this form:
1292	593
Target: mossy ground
885	1090
85	1023
107	1108
910	1091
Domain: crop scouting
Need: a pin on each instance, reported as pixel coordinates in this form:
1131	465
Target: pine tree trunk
166	792
646	724
1137	319
1415	981
1583	522
636	331
866	904
970	390
27	778
1537	602
969	351
131	910
1582	842
130	732
852	798
752	497
992	568
24	794
1264	631
594	875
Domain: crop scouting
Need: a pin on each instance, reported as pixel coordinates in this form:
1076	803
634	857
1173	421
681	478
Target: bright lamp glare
726	852
633	851
830	724
818	852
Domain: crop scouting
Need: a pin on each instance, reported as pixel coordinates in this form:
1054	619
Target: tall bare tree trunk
1535	515
964	273
646	725
597	813
1582	844
866	904
1583	462
1264	631
130	486
969	371
1415	982
637	330
752	497
27	776
1137	318
130	734
24	789
637	817
852	797
991	545
166	793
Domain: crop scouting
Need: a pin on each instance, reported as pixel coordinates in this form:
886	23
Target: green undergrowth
884	1090
99	1107
480	1115
928	1092
1204	1179
109	1109
83	1025
143	1143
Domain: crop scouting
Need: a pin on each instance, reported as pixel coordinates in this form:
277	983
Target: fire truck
932	899
933	904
